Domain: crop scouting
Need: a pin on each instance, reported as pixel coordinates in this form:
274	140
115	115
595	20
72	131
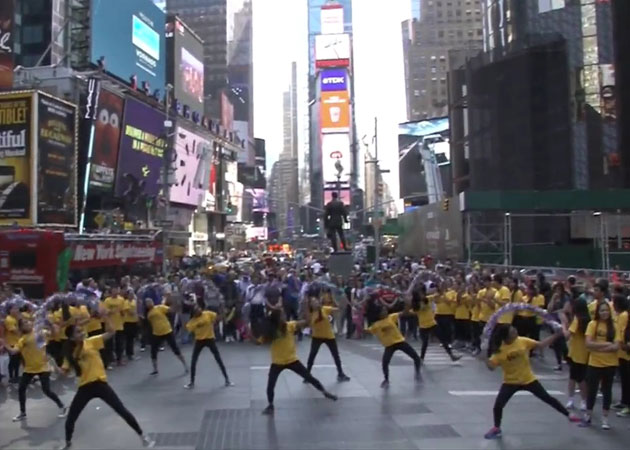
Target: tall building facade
437	27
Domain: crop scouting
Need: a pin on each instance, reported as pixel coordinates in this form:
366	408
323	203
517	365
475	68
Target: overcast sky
281	36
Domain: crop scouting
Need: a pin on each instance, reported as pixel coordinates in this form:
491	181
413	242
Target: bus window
23	260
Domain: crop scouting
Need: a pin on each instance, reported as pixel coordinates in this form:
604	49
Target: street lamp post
168	125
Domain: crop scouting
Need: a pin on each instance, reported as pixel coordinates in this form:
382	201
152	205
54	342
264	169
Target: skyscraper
442	26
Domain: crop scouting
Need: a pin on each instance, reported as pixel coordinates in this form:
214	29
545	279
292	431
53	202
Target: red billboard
106	140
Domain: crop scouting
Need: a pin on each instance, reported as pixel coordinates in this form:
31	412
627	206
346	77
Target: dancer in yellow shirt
161	331
578	353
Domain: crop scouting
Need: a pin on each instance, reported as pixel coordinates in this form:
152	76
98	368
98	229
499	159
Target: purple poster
334	80
141	153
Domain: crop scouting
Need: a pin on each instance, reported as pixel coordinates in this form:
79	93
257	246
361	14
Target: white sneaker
147	441
20	417
570	404
605	424
63	412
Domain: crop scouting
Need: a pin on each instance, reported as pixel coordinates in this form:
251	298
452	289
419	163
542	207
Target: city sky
281	36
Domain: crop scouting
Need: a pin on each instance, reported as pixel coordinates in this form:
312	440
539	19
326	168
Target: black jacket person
335	215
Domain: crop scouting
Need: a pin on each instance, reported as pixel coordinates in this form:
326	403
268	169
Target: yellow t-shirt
475	309
92	368
11	331
592	306
577	345
160	325
115	307
426	316
622	324
55	332
94	324
538	300
283	347
514	361
485	311
503	297
202	327
130	312
386	330
322	329
443	307
26	315
35	359
597	331
462	311
451	296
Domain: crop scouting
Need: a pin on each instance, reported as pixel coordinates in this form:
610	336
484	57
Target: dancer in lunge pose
387	332
35	365
161	331
82	356
281	335
578	353
201	325
318	317
511	352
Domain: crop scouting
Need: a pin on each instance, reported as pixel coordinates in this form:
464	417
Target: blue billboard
334	80
128	36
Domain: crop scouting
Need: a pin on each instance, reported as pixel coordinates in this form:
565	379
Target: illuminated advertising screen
335	112
56	162
335	148
16	156
130	36
332	19
259	200
192	152
185	64
141	152
332	50
410	165
107	127
344	195
334	80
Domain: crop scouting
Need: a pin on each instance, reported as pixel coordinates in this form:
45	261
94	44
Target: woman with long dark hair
82	356
602	343
526	322
281	335
578	353
318	317
559	298
620	303
161	330
35	365
422	305
511	352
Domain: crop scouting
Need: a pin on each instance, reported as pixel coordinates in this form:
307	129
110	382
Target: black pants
624	374
477	331
332	235
276	369
409	325
14	366
114	347
349	322
257	319
44	379
97	389
291	308
131	332
403	347
508	390
560	349
595	376
425	335
157	341
200	345
145	333
334	351
462	330
55	350
445	323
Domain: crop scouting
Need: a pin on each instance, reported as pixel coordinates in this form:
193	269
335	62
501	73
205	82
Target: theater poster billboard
16	159
106	140
56	162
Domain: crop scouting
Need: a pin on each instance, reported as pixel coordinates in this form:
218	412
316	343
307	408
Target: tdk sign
334	80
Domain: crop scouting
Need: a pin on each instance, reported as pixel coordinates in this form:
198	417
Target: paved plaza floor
450	409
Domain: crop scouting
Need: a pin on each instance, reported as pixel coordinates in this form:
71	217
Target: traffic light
445	204
229	209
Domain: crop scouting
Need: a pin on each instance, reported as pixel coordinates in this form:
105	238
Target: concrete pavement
450	409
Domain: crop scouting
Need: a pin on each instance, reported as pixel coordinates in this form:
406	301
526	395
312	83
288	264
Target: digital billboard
109	114
192	151
332	50
335	147
259	200
56	162
141	152
335	112
7	15
410	165
185	64
16	157
334	80
332	19
344	195
130	36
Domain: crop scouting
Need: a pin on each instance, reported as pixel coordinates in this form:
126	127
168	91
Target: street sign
163	223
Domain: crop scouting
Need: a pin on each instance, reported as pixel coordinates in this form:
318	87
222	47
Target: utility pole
166	186
376	214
